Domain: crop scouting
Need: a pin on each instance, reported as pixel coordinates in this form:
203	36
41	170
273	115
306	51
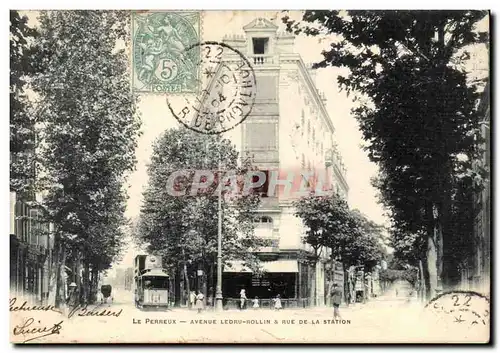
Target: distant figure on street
72	298
199	301
243	299
336	299
255	303
192	298
277	302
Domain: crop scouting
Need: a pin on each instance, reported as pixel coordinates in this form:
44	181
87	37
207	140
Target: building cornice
295	58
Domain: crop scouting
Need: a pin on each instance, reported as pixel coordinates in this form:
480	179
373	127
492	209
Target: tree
367	246
184	228
417	111
390	276
22	123
329	223
89	137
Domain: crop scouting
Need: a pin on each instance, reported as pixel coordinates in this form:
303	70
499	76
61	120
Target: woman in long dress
277	303
256	303
199	301
243	299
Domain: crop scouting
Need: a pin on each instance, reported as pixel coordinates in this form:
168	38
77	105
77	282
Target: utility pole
218	293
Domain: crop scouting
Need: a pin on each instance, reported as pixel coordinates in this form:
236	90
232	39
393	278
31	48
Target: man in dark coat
337	299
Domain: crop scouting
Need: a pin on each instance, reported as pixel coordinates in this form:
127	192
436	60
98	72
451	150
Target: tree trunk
77	275
186	278
347	286
54	272
213	285
315	277
178	291
438	236
94	279
433	252
86	282
431	259
422	289
61	280
204	284
312	280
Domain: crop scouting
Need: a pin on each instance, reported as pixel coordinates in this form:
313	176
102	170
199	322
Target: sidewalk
319	310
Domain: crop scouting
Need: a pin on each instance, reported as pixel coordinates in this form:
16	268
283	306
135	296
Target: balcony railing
259	59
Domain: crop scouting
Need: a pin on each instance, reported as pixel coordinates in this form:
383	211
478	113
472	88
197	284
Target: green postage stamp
164	59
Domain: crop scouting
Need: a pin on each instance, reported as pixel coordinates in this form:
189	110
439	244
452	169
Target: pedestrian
277	302
72	299
255	303
199	301
336	299
192	298
243	299
210	299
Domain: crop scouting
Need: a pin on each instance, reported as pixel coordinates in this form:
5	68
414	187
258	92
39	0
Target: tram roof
155	272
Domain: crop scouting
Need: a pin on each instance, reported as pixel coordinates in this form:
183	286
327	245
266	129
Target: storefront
277	277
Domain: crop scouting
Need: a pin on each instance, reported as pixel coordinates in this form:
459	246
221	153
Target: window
34	226
22	224
262	190
155	282
266	220
263	227
268	88
260	45
260	136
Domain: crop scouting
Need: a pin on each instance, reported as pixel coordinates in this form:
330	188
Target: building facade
30	252
283	138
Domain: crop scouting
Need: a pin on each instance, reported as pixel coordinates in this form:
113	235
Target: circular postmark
226	94
460	308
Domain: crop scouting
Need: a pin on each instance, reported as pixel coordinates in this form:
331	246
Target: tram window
155	282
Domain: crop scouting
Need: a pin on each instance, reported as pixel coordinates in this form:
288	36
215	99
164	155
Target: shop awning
277	266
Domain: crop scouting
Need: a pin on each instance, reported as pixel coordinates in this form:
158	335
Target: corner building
288	130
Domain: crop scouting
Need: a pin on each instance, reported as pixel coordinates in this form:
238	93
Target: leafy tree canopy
417	110
330	223
184	228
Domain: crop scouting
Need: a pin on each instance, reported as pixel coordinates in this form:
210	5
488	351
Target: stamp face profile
160	61
227	90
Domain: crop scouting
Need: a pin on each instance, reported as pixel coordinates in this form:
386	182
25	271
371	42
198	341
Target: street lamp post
218	292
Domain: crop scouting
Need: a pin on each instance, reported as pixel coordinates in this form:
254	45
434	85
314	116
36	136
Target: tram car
152	283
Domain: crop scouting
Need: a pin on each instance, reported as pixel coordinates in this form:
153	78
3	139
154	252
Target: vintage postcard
249	176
